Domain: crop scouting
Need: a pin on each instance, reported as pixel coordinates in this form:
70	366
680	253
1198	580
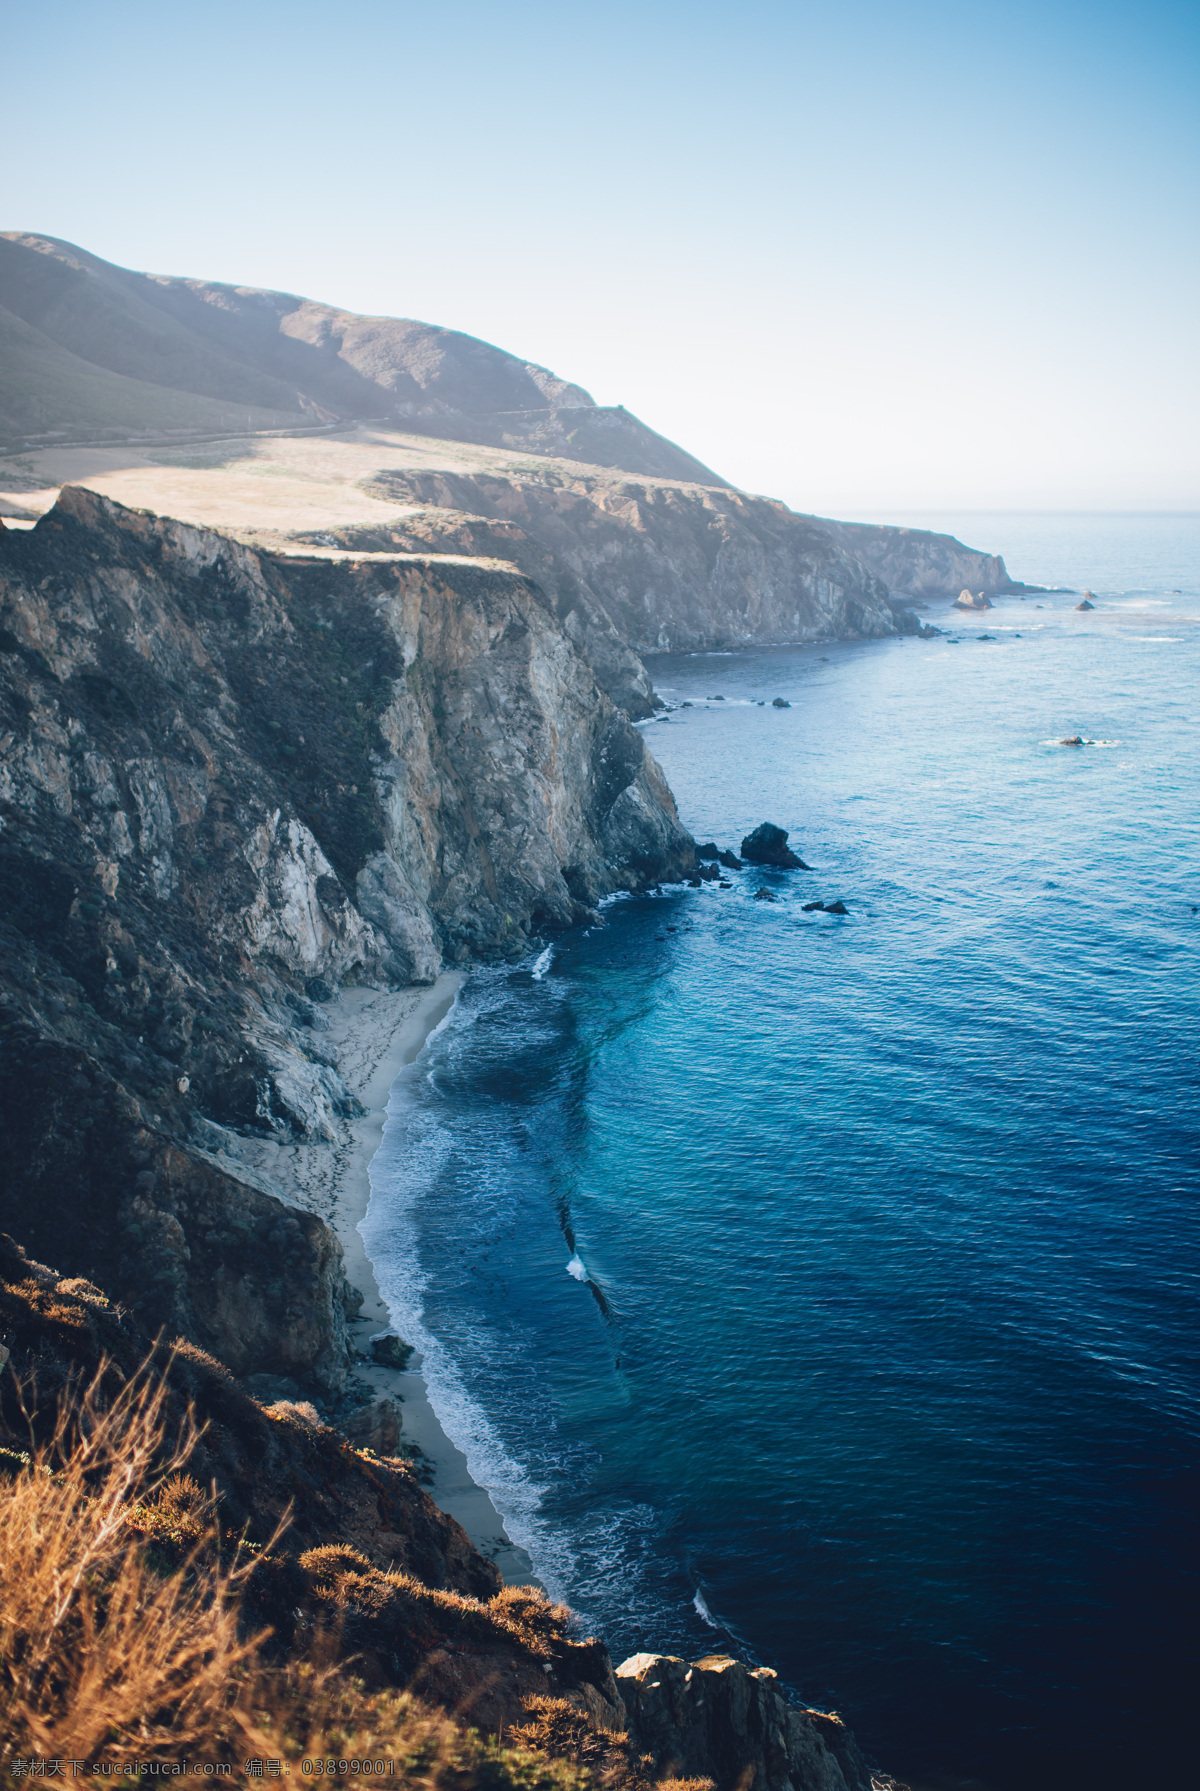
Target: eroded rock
768	845
716	1718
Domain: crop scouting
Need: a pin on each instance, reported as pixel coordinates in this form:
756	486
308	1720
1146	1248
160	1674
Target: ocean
822	1289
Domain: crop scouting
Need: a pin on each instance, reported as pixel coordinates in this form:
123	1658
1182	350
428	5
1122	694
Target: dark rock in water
708	873
836	908
687	705
764	895
391	1351
811	907
693	882
768	845
723	884
729	861
1072	740
985	637
780	703
716	699
1087	602
928	632
710	849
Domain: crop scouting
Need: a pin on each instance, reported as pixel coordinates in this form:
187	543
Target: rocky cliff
229	783
920	565
641	566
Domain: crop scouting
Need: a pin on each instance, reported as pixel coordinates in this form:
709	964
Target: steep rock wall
641	566
229	782
919	564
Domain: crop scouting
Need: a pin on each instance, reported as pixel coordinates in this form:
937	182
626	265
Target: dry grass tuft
120	1631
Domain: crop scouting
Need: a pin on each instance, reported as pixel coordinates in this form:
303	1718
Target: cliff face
230	782
916	563
642	567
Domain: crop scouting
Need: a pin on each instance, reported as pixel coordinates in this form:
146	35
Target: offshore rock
1087	602
768	845
967	600
721	1720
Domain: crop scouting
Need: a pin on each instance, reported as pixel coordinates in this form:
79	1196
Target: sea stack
768	845
969	600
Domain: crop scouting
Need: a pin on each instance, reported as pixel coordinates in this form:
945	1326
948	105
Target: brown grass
121	1629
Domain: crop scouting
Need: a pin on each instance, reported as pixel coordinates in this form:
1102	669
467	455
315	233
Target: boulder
768	845
709	850
780	703
390	1351
971	600
812	907
729	861
1072	740
764	895
836	908
375	1426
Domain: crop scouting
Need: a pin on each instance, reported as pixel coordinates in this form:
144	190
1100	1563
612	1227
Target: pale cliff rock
228	783
918	564
719	1719
642	566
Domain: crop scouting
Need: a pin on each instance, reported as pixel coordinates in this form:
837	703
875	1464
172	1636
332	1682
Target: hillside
94	352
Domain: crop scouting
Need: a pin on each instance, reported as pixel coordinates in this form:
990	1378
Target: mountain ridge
284	358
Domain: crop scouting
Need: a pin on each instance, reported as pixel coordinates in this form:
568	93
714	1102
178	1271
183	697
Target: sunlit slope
176	347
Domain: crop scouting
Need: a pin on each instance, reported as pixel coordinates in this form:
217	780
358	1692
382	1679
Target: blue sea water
823	1289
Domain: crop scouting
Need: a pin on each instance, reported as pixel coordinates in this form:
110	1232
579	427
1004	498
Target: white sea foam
409	1158
576	1268
702	1611
543	964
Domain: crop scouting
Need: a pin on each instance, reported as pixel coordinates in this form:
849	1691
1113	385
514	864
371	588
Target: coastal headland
300	722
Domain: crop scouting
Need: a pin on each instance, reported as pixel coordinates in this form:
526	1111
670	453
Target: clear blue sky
859	255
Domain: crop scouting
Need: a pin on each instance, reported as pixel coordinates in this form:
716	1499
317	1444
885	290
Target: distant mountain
93	352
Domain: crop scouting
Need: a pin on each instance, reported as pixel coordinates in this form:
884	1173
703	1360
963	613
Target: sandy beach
376	1033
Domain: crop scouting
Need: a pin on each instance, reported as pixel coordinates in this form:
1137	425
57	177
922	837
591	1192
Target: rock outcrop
719	1719
918	564
768	845
972	600
637	566
229	783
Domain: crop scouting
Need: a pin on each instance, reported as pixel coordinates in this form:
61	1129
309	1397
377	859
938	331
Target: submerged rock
768	845
765	895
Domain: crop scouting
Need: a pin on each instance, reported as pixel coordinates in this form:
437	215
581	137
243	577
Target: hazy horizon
938	260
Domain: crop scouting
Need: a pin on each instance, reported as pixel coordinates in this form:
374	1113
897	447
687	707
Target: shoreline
377	1034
